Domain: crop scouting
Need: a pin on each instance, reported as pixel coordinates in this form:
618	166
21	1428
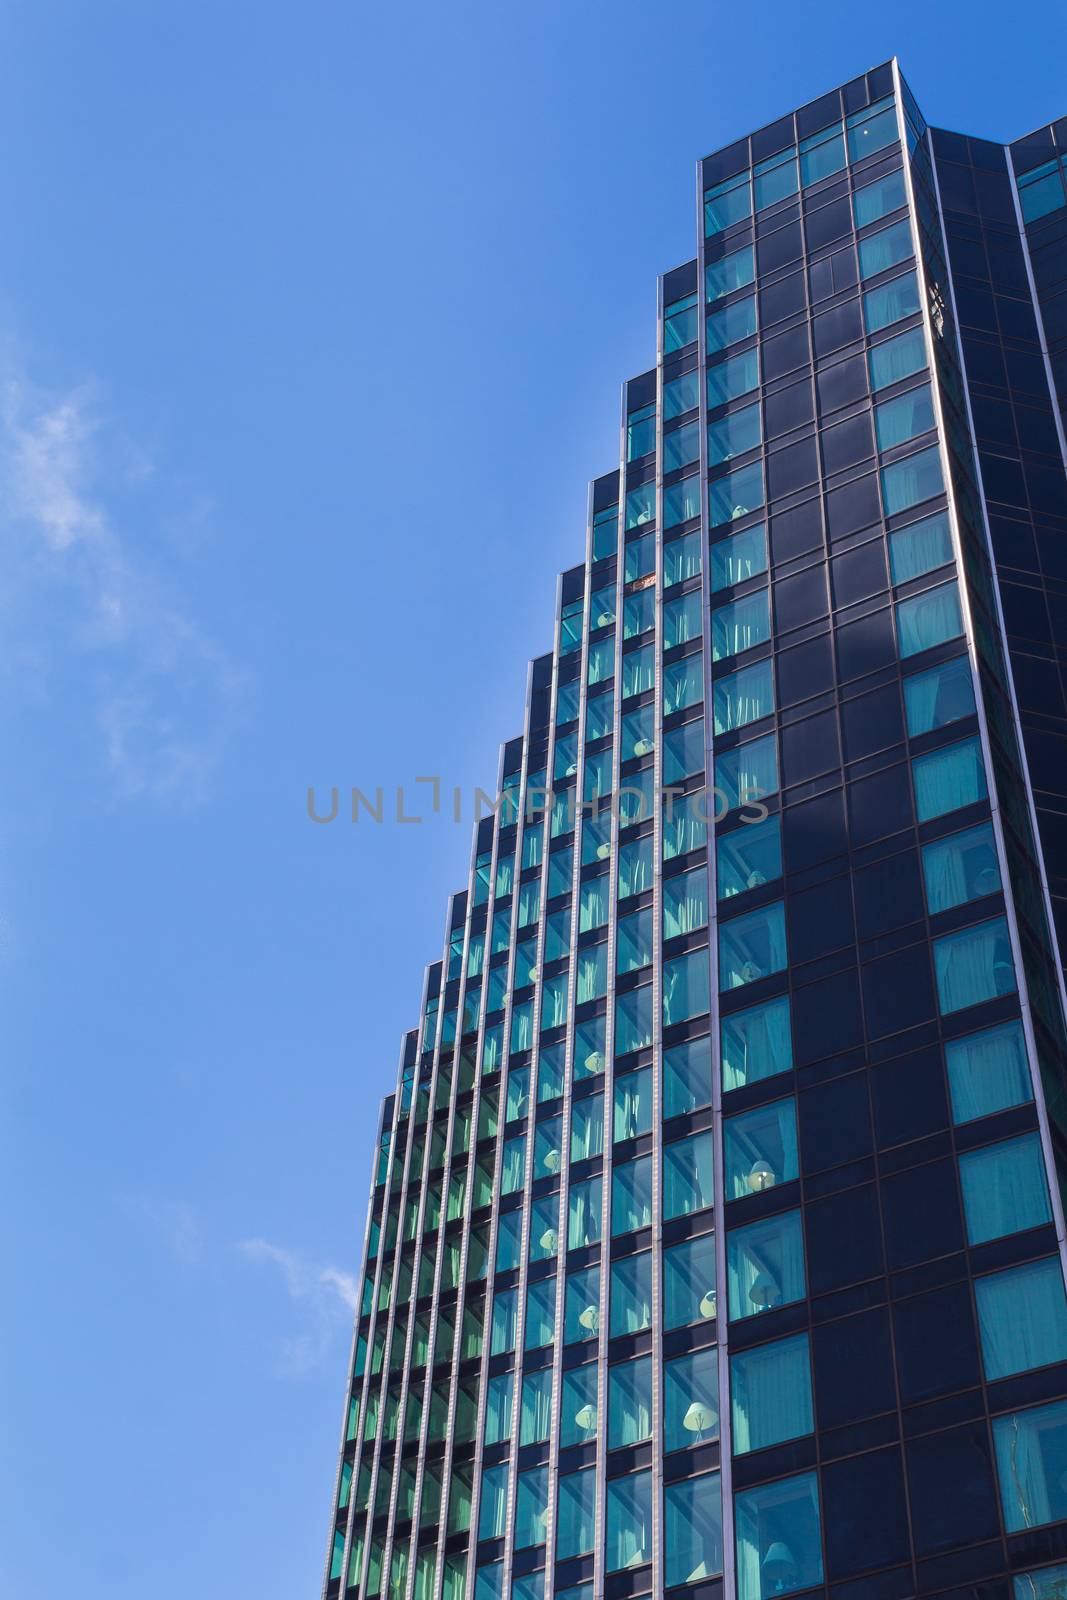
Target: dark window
898	991
815	831
953	1497
866	645
842	383
922	1214
827	1017
854	507
810	747
937	1348
794	533
792	468
847	444
853	1366
789	408
782	299
879	806
785	353
837	327
844	1240
872	722
889	895
820	920
909	1098
856	1541
805	670
835	1123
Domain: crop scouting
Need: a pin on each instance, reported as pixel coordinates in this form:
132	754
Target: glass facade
715	1239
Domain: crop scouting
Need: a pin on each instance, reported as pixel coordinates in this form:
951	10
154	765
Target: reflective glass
765	1264
760	1149
988	1071
770	1392
1004	1189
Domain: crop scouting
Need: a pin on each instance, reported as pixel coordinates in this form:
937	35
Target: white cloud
87	525
327	1296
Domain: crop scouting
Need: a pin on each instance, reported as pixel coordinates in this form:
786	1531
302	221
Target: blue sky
312	321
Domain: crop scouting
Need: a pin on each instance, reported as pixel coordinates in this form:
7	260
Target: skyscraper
715	1238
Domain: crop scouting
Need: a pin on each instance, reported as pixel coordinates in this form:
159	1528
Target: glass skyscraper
715	1238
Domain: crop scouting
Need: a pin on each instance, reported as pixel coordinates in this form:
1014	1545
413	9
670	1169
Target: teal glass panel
1022	1318
680	323
727	203
730	272
635	941
592	973
635	867
911	481
948	778
578	1403
752	946
637	734
585	1207
960	868
770	1394
631	1196
765	1265
871	130
689	1282
760	1149
891	302
632	1105
631	1294
775	179
748	857
531	1508
1048	1584
941	696
589	1047
905	417
683	751
686	1077
692	1529
973	965
587	1127
821	155
743	697
1041	191
757	1043
581	1319
686	987
512	1165
628	1541
600	661
532	1587
922	547
1030	1448
685	903
540	1314
878	199
576	1514
778	1538
505	1318
498	1398
638	613
747	773
636	797
895	359
599	713
606	529
735	376
683	682
687	1176
681	620
550	1068
640	506
601	610
641	432
685	824
544	1228
638	670
570	627
929	619
681	447
494	1503
880	251
681	395
629	1402
734	434
681	559
1004	1189
690	1400
988	1071
727	325
741	556
681	501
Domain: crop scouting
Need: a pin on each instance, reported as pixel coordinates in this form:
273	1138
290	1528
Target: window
577	1412
687	1181
1048	1584
685	824
633	1104
680	323
641	432
727	325
512	1165
752	947
685	903
770	1394
631	1196
584	1207
508	1241
692	1513
638	670
748	772
498	1397
760	1149
629	1402
681	395
765	1264
960	868
689	1282
821	154
544	1228
779	1544
686	987
606	523
947	779
749	856
878	199
922	547
734	434
740	625
686	1077
743	697
727	203
681	501
1031	1447
633	1020
911	481
1004	1189
582	1306
756	1043
681	559
1022	1318
631	1294
729	273
531	1508
683	752
681	620
1041	191
576	1514
741	556
691	1400
640	505
891	302
775	179
936	698
895	359
880	251
629	1521
973	965
905	417
929	619
540	1314
872	129
635	867
683	684
988	1072
634	947
681	447
494	1502
587	1128
505	1315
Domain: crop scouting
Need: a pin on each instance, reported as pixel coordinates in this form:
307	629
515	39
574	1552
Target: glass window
633	1020
988	1072
775	179
635	867
544	1228
1041	191
821	155
687	1176
692	1514
681	395
686	987
743	697
691	1400
872	129
960	868
929	619
734	434
741	556
681	620
635	939
641	432
550	1073
640	505
681	559
683	684
582	1306
685	903
631	1196
878	199
587	1128
727	203
681	501
895	359
765	1264
629	1521
727	325
770	1394
911	481
494	1502
882	250
584	1213
756	1043
685	824
512	1165
638	670
973	965
1031	1447
631	1294
749	856
681	447
1004	1189
735	376
489	1582
779	1543
1048	1584
740	625
905	417
498	1397
540	1314
686	1077
922	547
508	1241
531	1508
689	1282
683	751
729	273
747	773
680	323
1022	1318
505	1315
638	613
578	1414
936	698
891	302
760	1149
632	1104
629	1402
947	779
752	947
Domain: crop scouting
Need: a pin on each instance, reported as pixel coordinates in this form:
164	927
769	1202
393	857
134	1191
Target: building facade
715	1240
